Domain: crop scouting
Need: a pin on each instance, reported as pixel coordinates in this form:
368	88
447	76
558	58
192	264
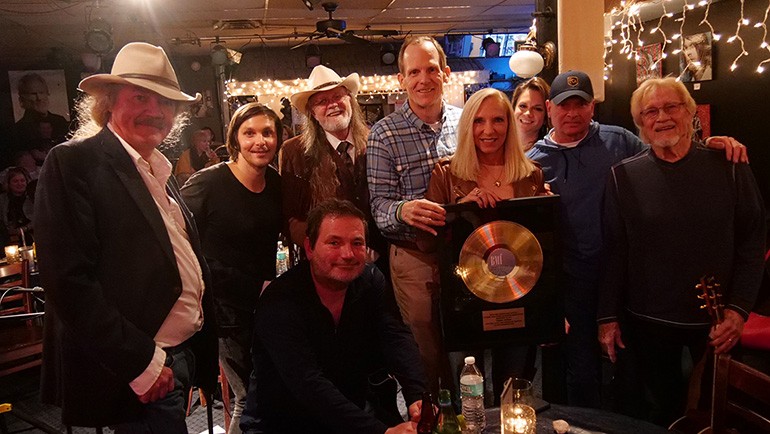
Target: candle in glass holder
12	253
517	419
28	254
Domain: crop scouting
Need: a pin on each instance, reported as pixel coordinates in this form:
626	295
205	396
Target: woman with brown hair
237	208
529	112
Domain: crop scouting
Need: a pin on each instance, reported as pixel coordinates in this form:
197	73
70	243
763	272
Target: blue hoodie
579	175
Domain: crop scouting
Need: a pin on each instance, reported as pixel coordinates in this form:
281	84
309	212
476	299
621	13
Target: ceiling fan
332	28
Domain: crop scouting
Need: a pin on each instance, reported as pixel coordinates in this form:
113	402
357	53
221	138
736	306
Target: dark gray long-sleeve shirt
668	224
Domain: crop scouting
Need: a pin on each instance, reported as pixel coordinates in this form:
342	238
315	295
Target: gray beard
668	142
338	123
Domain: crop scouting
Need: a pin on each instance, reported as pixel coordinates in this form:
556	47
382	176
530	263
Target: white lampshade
526	63
218	55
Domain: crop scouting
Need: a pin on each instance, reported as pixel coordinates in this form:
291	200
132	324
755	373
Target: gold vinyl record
500	261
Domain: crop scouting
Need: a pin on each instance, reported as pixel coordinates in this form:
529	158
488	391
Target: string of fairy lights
627	21
268	90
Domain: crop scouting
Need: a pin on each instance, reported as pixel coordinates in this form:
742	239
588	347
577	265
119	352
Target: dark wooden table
581	421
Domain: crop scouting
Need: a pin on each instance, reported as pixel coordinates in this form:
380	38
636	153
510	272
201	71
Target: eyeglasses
652	113
329	99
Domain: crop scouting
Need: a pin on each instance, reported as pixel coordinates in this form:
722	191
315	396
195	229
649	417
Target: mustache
158	123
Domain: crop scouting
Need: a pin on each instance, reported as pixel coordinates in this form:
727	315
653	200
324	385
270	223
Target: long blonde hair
465	163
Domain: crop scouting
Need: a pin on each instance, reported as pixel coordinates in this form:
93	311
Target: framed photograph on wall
695	61
702	122
649	63
40	106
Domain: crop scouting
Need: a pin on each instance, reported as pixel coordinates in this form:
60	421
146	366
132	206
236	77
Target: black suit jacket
110	277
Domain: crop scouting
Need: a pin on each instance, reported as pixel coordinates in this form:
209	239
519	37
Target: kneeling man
323	331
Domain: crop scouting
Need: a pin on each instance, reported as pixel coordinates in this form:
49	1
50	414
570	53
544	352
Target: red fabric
756	332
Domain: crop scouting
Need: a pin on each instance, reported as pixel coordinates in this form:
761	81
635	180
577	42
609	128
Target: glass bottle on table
447	419
427	416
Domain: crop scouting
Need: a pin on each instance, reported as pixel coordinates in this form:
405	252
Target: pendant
497	183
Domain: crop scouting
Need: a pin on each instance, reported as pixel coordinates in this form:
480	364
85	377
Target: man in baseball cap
127	313
576	156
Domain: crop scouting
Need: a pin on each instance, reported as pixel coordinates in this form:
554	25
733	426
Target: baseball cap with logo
571	83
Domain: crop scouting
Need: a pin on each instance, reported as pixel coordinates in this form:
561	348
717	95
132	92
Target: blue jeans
166	415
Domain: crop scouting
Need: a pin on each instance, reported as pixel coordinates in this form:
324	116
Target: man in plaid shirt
402	150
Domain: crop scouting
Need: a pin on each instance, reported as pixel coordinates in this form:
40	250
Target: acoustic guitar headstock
710	291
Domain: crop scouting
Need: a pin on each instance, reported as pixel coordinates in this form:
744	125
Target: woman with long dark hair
237	208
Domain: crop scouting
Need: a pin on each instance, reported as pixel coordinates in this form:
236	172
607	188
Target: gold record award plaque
500	261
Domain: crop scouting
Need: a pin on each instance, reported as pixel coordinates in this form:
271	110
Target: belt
404	244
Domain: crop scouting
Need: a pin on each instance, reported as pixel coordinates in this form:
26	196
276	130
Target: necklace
497	181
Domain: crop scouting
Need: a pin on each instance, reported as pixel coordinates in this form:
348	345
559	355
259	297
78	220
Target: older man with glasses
673	214
576	157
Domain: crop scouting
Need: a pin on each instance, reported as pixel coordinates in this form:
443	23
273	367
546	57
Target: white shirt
186	315
335	142
566	144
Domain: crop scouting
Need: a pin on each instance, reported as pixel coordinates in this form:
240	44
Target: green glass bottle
447	420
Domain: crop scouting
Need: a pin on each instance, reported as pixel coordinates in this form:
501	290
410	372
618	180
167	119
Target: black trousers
653	372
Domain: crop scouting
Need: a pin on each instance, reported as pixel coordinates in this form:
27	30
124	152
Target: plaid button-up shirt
401	153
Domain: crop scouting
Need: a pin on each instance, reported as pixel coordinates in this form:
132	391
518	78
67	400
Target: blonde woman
489	166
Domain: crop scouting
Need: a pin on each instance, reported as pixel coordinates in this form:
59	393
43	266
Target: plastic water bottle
472	393
281	259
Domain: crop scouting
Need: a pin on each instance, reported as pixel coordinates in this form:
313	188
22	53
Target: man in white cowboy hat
127	314
328	159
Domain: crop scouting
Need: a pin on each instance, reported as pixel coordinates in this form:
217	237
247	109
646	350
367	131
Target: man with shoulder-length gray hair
328	160
673	214
128	318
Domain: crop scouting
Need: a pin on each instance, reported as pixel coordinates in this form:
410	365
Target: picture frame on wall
40	107
702	122
696	59
649	62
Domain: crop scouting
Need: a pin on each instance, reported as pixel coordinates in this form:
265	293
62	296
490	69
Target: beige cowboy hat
321	79
143	65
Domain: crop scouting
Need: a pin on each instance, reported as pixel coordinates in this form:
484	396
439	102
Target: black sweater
668	224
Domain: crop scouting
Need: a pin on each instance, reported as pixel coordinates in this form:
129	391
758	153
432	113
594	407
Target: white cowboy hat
321	79
143	65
